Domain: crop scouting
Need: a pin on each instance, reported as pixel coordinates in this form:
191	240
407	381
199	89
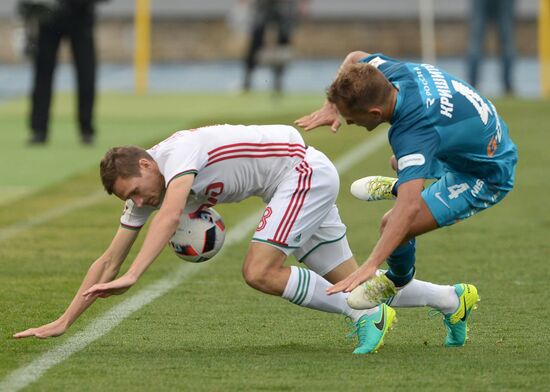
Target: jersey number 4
456	190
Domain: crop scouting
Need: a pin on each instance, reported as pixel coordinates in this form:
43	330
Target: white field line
28	374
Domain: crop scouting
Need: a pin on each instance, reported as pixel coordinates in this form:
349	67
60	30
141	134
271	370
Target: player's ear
375	112
144	163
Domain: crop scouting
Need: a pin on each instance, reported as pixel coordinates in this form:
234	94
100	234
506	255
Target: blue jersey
440	124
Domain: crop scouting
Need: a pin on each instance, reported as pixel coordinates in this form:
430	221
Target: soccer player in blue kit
441	128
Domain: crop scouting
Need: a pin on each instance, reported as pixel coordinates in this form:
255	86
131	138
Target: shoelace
357	330
381	189
435	312
377	189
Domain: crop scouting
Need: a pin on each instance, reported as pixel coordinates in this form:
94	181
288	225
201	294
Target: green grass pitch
213	332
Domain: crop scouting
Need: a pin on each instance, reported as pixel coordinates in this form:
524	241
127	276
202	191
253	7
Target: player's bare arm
395	232
104	269
162	227
328	113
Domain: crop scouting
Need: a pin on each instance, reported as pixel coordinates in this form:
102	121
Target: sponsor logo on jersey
410	160
425	86
212	192
438	196
446	105
477	187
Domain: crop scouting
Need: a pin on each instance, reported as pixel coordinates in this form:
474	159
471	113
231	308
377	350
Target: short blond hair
359	87
121	162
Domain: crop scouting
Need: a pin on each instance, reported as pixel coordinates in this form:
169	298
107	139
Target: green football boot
372	293
456	323
374	188
370	330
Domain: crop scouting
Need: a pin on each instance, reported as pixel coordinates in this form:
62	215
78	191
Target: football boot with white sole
374	188
373	292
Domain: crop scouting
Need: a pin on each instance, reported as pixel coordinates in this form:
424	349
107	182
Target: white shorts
302	218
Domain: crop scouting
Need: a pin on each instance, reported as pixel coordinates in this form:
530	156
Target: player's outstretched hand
327	115
104	290
53	329
364	273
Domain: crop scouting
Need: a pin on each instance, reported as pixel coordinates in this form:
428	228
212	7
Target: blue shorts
456	196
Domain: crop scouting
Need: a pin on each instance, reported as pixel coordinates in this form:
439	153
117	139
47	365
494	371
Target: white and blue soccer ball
199	236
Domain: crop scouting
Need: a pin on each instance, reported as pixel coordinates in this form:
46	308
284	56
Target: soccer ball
199	235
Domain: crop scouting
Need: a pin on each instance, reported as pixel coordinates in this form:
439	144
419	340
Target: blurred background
203	45
80	76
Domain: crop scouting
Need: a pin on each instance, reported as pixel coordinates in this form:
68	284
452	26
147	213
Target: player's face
146	190
367	119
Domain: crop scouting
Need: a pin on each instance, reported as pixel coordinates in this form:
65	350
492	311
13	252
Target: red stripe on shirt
254	145
301	155
257	150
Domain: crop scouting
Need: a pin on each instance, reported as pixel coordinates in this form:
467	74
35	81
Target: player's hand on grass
53	329
104	290
364	273
327	115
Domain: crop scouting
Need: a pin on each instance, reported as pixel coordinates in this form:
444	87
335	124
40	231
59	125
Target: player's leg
299	206
442	298
453	198
402	260
455	303
327	254
264	270
401	265
45	60
259	21
479	17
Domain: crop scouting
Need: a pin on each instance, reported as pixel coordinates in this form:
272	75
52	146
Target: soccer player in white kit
202	167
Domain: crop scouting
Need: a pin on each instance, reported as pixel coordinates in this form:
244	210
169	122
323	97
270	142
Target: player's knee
256	275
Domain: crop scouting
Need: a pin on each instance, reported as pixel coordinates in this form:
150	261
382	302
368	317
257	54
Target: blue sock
401	263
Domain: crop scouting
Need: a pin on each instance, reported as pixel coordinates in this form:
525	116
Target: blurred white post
427	30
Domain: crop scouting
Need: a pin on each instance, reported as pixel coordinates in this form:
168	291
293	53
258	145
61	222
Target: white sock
307	288
420	293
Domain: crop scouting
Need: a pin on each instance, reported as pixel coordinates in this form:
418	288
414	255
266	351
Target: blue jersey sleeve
414	150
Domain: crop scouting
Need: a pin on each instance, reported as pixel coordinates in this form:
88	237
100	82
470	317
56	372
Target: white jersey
230	163
233	162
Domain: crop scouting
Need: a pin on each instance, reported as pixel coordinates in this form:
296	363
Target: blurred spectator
501	13
57	19
283	14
